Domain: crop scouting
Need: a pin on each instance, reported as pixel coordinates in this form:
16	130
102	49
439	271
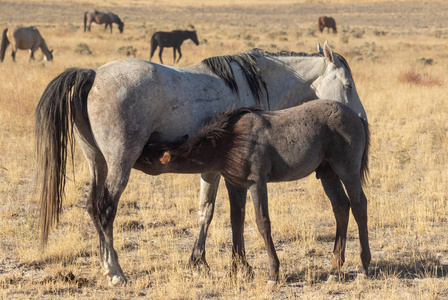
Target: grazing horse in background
172	39
328	22
24	38
250	148
150	102
102	18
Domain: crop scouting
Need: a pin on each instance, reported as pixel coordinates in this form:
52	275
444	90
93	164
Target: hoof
271	285
333	278
117	280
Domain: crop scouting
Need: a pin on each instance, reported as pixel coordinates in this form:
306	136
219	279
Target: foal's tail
365	155
5	43
63	101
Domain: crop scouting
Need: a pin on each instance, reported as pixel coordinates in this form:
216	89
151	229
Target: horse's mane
220	65
284	53
213	131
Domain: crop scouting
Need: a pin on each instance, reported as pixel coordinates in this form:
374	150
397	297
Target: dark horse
102	18
251	148
172	39
328	22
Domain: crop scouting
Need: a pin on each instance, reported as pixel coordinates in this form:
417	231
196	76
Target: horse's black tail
365	155
62	101
5	43
85	21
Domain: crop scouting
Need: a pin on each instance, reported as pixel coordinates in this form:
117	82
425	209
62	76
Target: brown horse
102	18
251	148
328	22
24	38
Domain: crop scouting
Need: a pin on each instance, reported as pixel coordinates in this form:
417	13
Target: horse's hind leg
341	208
180	54
174	55
237	197
209	187
160	54
358	204
106	186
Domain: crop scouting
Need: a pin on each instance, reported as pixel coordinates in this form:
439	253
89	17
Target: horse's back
23	37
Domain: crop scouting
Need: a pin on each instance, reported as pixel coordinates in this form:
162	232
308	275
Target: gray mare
250	148
117	107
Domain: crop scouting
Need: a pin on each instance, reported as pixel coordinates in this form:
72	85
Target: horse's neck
290	79
43	47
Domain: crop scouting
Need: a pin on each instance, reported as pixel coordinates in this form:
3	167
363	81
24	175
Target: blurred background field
398	52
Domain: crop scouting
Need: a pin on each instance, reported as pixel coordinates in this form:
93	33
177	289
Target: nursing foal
250	148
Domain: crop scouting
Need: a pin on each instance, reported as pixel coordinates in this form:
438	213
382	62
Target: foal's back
290	144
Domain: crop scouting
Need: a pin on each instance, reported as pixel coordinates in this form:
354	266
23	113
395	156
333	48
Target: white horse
116	109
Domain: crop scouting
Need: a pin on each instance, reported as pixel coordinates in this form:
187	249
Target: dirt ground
409	15
300	282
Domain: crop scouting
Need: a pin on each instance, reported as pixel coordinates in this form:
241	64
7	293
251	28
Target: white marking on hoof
116	280
333	278
271	285
361	277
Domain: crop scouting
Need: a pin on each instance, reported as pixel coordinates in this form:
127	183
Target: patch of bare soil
383	14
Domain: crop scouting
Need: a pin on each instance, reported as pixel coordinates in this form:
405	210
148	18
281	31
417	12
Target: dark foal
251	148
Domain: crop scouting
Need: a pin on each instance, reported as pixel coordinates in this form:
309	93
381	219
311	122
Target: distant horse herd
245	145
29	38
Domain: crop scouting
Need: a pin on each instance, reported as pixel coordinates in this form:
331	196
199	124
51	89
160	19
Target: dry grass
157	221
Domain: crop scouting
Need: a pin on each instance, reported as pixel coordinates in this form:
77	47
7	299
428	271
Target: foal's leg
358	203
237	197
209	188
259	195
341	209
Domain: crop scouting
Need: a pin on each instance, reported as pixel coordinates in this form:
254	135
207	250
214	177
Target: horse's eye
347	86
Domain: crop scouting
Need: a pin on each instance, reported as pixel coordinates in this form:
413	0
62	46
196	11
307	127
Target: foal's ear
51	51
166	157
184	138
328	52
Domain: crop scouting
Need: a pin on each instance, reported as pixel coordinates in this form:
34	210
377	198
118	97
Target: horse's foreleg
209	187
160	53
358	203
237	197
259	195
110	26
341	209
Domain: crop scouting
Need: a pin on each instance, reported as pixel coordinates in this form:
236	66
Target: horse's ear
51	51
166	157
184	138
319	48
328	52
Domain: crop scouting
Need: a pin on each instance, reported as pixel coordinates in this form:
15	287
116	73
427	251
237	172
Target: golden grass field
389	46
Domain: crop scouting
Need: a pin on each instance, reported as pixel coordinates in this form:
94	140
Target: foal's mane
217	128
